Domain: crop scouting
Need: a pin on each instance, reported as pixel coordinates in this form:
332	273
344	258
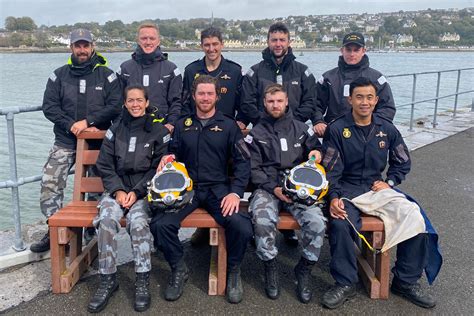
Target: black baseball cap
80	35
354	38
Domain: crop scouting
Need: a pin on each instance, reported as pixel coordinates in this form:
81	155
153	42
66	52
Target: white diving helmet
306	183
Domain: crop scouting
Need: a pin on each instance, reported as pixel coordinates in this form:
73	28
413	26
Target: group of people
159	115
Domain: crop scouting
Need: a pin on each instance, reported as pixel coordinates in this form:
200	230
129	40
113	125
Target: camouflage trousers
53	181
264	208
107	223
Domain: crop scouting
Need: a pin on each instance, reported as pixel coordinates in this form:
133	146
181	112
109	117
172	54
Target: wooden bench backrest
86	157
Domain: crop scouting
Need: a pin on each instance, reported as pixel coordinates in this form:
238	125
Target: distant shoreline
172	49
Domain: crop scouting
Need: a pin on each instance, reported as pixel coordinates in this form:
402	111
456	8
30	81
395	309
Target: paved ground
443	182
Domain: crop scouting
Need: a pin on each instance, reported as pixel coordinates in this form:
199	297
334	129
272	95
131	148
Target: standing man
205	142
333	86
152	69
278	66
82	95
356	148
227	73
278	143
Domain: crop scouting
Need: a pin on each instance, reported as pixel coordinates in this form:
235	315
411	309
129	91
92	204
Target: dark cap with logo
354	38
80	35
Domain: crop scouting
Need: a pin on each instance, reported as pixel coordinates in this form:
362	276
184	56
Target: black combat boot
272	286
337	295
234	289
42	245
303	274
108	285
179	275
413	293
142	293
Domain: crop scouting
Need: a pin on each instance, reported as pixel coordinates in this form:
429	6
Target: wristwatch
390	183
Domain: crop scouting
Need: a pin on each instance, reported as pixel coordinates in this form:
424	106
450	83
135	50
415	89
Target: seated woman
128	158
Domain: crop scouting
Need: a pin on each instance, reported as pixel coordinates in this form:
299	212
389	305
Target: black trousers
412	254
238	228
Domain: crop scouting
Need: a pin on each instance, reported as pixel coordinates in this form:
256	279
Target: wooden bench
67	224
374	269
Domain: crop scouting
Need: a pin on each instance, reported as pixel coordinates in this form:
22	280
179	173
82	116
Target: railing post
457	91
19	245
436	101
412	114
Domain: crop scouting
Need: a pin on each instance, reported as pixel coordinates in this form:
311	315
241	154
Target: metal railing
437	98
14	182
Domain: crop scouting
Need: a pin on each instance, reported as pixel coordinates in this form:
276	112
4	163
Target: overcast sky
58	12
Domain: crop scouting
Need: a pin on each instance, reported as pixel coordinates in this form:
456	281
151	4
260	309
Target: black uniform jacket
161	78
206	152
131	152
73	93
297	79
277	145
333	90
229	77
353	163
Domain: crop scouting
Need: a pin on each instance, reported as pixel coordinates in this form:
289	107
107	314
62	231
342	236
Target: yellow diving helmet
306	183
171	188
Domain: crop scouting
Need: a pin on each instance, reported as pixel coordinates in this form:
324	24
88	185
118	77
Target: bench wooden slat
91	185
90	157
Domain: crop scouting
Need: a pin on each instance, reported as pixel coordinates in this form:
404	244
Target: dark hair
274	88
278	27
211	32
204	79
361	82
135	87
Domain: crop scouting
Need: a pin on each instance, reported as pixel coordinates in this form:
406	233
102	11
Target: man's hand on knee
230	204
336	209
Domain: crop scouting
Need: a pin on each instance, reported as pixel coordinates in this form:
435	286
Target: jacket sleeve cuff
239	191
333	195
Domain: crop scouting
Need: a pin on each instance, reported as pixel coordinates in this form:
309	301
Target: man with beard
205	142
278	143
152	69
83	95
333	86
278	66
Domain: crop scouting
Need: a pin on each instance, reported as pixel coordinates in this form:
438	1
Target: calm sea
23	78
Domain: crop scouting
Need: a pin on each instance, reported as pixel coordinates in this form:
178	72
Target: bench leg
221	263
58	259
382	272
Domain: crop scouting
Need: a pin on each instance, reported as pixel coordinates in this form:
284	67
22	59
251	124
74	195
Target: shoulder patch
112	77
307	72
321	80
310	131
248	139
177	72
382	80
167	138
53	77
109	134
250	72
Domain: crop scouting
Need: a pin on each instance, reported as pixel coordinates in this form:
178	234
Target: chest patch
132	144
146	80
283	144
346	133
346	90
381	144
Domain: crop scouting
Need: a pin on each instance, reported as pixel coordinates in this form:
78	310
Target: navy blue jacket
353	162
206	152
332	90
229	78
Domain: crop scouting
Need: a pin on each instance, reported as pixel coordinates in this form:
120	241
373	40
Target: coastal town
424	29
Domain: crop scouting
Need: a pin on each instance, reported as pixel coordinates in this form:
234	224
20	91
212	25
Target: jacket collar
362	64
270	59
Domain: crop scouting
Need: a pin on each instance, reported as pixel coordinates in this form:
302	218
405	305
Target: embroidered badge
380	134
216	129
197	75
346	133
188	122
225	77
223	90
382	144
